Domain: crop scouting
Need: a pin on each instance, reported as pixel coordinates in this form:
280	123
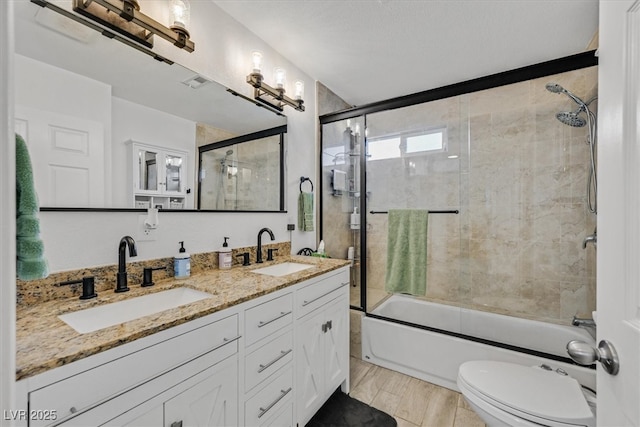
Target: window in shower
407	144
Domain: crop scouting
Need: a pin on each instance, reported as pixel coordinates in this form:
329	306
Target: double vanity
254	346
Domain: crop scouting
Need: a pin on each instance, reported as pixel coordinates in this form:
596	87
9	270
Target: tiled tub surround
48	289
44	342
520	185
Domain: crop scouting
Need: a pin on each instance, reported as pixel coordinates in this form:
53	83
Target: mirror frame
279	130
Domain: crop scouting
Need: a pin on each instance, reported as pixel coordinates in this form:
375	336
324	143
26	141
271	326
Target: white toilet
506	394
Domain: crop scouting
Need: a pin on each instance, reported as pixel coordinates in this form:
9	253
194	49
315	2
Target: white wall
223	53
75	240
143	124
7	216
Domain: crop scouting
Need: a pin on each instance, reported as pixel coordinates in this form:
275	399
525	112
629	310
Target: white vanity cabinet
322	342
157	176
140	375
270	361
268	373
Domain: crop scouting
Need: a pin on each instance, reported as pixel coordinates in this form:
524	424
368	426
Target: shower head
556	88
227	154
571	118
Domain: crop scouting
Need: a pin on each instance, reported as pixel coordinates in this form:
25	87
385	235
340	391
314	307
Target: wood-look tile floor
412	402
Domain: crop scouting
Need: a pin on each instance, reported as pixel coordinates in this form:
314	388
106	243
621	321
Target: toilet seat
530	393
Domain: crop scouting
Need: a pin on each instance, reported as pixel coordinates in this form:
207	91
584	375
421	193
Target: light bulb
179	14
299	90
281	76
257	61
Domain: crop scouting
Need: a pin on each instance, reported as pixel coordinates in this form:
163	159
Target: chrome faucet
259	251
121	283
588	324
591	238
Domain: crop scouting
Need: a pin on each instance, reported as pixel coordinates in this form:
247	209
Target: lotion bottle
182	263
355	219
225	260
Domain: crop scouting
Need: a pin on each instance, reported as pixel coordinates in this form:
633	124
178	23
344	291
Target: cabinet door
146	169
336	350
310	380
174	173
152	418
211	402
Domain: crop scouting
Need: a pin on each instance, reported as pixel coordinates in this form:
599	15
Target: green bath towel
305	211
31	264
407	252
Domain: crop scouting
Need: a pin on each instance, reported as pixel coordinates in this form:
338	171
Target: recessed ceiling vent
197	81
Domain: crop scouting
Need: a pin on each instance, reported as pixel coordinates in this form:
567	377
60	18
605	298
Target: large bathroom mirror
234	171
92	109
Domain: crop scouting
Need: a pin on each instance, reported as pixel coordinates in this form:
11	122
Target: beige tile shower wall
520	184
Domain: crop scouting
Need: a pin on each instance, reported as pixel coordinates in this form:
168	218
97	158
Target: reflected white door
68	157
619	209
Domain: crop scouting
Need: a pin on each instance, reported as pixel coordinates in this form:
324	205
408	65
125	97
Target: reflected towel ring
303	179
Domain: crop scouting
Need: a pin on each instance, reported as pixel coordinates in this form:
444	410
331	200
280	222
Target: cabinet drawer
268	359
92	387
269	400
283	419
318	293
267	318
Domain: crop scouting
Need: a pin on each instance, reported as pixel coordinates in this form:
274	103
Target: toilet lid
529	390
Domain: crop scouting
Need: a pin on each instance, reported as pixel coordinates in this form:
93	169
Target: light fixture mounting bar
261	89
125	10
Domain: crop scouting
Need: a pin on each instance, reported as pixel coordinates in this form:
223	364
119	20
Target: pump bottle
225	259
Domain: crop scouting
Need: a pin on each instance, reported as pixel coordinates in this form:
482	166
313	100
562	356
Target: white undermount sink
282	269
103	316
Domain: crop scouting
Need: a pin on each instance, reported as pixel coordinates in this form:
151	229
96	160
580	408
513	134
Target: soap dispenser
182	263
355	219
225	260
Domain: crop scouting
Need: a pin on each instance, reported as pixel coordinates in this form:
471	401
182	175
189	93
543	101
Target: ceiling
372	50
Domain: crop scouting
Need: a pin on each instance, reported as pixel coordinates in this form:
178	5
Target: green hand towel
305	211
407	252
31	264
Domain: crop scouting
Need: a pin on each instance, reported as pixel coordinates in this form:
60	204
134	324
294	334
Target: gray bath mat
344	411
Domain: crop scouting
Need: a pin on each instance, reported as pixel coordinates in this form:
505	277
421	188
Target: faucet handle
270	252
88	286
245	258
147	275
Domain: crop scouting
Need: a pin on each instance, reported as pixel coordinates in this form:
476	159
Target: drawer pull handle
226	341
177	424
282	354
280	316
283	393
304	303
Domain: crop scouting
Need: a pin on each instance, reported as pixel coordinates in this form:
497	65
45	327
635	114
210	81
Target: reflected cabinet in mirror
243	173
85	103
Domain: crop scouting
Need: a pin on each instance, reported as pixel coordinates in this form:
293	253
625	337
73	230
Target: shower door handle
585	354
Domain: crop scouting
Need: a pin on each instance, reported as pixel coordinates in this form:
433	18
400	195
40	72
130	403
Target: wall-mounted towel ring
303	179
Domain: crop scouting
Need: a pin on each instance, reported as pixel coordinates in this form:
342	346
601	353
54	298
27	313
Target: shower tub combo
430	341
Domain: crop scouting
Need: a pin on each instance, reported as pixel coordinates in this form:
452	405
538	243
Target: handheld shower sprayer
573	118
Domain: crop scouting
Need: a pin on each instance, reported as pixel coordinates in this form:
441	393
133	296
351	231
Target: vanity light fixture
125	17
274	97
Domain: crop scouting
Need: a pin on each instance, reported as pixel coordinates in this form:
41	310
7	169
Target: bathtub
435	356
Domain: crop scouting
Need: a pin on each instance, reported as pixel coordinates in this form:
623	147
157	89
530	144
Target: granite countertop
44	342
